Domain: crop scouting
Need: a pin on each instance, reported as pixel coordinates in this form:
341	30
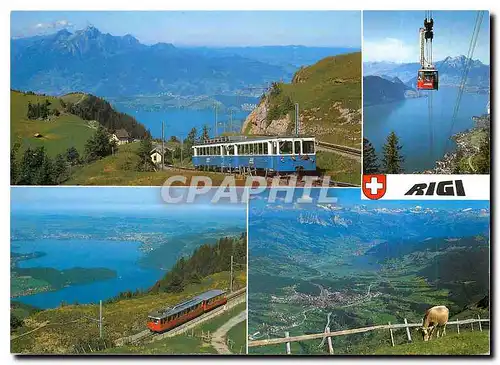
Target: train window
307	146
286	147
230	150
265	150
220	150
275	148
296	148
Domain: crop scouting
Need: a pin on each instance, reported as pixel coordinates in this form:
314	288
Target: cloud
389	49
58	24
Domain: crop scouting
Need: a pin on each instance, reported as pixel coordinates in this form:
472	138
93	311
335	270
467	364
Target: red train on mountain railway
166	319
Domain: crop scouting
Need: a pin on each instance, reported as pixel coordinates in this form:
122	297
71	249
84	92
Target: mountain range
106	65
383	89
450	71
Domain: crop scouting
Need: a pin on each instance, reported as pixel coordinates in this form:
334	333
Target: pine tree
99	145
189	142
14	165
370	161
60	169
144	153
30	168
72	156
392	162
46	175
204	134
31	111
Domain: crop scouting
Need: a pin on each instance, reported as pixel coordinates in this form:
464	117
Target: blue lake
409	119
140	246
63	254
178	122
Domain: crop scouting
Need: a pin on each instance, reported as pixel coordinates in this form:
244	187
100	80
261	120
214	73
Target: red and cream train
166	319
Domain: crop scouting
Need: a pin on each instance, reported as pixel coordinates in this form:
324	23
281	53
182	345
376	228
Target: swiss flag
374	186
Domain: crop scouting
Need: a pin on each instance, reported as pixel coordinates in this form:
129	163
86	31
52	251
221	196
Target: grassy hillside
119	169
465	343
338	167
329	97
69	326
191	341
58	134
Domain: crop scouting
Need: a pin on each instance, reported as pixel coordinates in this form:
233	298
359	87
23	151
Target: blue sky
108	199
393	35
205	28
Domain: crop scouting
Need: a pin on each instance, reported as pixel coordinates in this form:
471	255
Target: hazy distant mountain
378	90
102	64
450	71
395	80
290	57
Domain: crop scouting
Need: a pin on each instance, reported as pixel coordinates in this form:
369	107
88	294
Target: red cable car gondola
427	79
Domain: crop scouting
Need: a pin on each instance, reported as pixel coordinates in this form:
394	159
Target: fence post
408	331
329	341
458	327
472	326
288	349
480	327
392	335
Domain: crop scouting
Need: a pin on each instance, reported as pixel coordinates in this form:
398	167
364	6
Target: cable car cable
428	15
465	73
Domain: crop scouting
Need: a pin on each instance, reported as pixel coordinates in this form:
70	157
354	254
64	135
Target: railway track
339	148
146	336
283	178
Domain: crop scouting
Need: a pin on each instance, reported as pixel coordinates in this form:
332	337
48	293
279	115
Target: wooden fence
287	340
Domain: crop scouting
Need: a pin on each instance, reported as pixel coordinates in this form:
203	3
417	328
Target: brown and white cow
435	320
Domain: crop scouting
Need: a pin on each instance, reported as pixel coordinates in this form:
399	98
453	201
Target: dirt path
470	164
219	336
